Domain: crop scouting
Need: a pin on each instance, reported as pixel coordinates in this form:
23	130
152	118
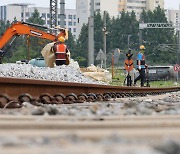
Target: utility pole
91	36
62	13
105	33
140	37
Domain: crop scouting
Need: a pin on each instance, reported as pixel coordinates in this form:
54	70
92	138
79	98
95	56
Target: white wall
12	12
111	6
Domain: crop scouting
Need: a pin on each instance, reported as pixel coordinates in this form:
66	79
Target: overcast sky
169	4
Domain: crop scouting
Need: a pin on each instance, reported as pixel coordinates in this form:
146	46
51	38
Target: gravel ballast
70	73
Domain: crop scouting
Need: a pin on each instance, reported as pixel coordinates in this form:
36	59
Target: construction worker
60	50
128	64
141	66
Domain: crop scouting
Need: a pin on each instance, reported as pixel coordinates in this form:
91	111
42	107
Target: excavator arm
22	28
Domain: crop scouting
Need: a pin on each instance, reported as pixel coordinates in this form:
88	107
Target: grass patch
119	77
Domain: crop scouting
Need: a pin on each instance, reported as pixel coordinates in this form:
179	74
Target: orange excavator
24	28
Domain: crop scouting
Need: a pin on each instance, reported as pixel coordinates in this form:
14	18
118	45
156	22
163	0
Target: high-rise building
173	16
138	5
113	7
22	12
83	10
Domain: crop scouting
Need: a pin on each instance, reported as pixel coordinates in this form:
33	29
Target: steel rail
15	86
16	90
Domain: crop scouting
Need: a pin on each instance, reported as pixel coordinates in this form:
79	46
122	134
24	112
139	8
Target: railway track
80	133
15	91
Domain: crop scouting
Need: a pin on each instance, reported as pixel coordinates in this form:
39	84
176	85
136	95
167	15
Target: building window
74	30
74	23
22	15
48	15
74	16
59	23
98	4
44	15
27	14
70	23
70	16
176	15
69	29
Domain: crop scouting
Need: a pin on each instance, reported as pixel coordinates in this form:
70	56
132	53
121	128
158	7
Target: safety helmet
61	39
142	47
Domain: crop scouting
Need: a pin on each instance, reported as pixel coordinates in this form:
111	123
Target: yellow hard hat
61	39
142	47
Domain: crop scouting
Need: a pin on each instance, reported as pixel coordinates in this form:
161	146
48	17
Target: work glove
139	67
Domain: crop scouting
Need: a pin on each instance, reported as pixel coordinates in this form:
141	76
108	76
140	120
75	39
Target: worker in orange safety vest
60	50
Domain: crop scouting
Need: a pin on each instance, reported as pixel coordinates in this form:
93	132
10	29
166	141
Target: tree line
161	44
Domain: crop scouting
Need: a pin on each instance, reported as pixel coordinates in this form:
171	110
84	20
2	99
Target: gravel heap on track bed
59	73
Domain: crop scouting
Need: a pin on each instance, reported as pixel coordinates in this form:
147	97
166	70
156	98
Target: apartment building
113	7
83	10
173	16
22	11
138	5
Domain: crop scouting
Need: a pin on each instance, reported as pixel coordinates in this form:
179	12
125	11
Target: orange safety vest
60	52
128	64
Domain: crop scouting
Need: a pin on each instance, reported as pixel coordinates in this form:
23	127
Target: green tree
98	33
71	44
23	45
36	44
81	51
156	40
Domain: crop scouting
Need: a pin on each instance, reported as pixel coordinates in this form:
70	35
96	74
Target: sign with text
155	25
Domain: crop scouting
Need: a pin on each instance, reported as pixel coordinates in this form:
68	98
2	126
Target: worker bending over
60	50
141	66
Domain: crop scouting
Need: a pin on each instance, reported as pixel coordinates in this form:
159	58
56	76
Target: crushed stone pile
59	73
